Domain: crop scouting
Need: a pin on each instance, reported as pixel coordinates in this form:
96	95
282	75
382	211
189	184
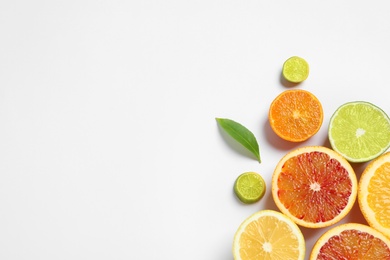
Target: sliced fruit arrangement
351	241
360	131
268	234
314	186
249	187
295	115
374	194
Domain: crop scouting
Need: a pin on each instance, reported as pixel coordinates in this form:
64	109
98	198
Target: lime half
249	187
359	131
295	69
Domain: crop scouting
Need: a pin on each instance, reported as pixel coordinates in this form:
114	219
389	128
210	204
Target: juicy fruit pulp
315	186
374	194
295	115
360	131
268	235
249	187
336	248
295	69
351	241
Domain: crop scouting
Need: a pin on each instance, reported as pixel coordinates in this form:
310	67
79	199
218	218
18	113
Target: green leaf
241	134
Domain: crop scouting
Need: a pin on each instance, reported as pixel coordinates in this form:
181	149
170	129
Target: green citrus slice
249	187
359	131
295	69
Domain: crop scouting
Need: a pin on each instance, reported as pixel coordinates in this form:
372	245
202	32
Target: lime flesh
249	187
295	69
359	131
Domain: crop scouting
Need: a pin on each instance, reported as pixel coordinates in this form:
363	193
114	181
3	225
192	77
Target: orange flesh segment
378	199
317	181
354	244
296	115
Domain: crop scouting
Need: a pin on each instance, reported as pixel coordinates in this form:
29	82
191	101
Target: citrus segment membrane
351	241
360	131
295	115
314	186
249	187
374	194
268	235
295	69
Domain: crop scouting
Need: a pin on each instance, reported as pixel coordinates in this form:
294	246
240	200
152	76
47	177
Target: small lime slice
359	131
249	187
295	69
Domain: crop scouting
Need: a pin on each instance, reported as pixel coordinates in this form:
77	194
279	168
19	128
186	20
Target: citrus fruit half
374	193
295	115
314	186
351	241
360	131
295	69
268	234
249	187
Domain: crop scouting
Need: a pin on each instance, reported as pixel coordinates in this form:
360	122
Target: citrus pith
314	186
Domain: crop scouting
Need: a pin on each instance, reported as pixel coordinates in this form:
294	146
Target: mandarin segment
295	115
315	176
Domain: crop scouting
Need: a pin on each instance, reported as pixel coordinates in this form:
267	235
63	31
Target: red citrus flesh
354	244
314	187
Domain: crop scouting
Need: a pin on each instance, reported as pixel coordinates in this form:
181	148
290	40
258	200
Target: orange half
374	194
295	115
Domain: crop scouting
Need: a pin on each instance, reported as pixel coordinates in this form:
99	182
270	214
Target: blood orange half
315	186
351	241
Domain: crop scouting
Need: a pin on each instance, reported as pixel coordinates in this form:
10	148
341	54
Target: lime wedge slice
249	187
359	131
295	69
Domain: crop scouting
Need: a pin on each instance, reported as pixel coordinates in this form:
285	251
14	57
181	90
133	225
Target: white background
109	148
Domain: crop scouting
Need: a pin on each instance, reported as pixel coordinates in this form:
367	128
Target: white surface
108	141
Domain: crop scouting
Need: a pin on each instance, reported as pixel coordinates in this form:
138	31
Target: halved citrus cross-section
267	235
374	194
295	115
314	186
351	241
295	69
360	131
249	187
